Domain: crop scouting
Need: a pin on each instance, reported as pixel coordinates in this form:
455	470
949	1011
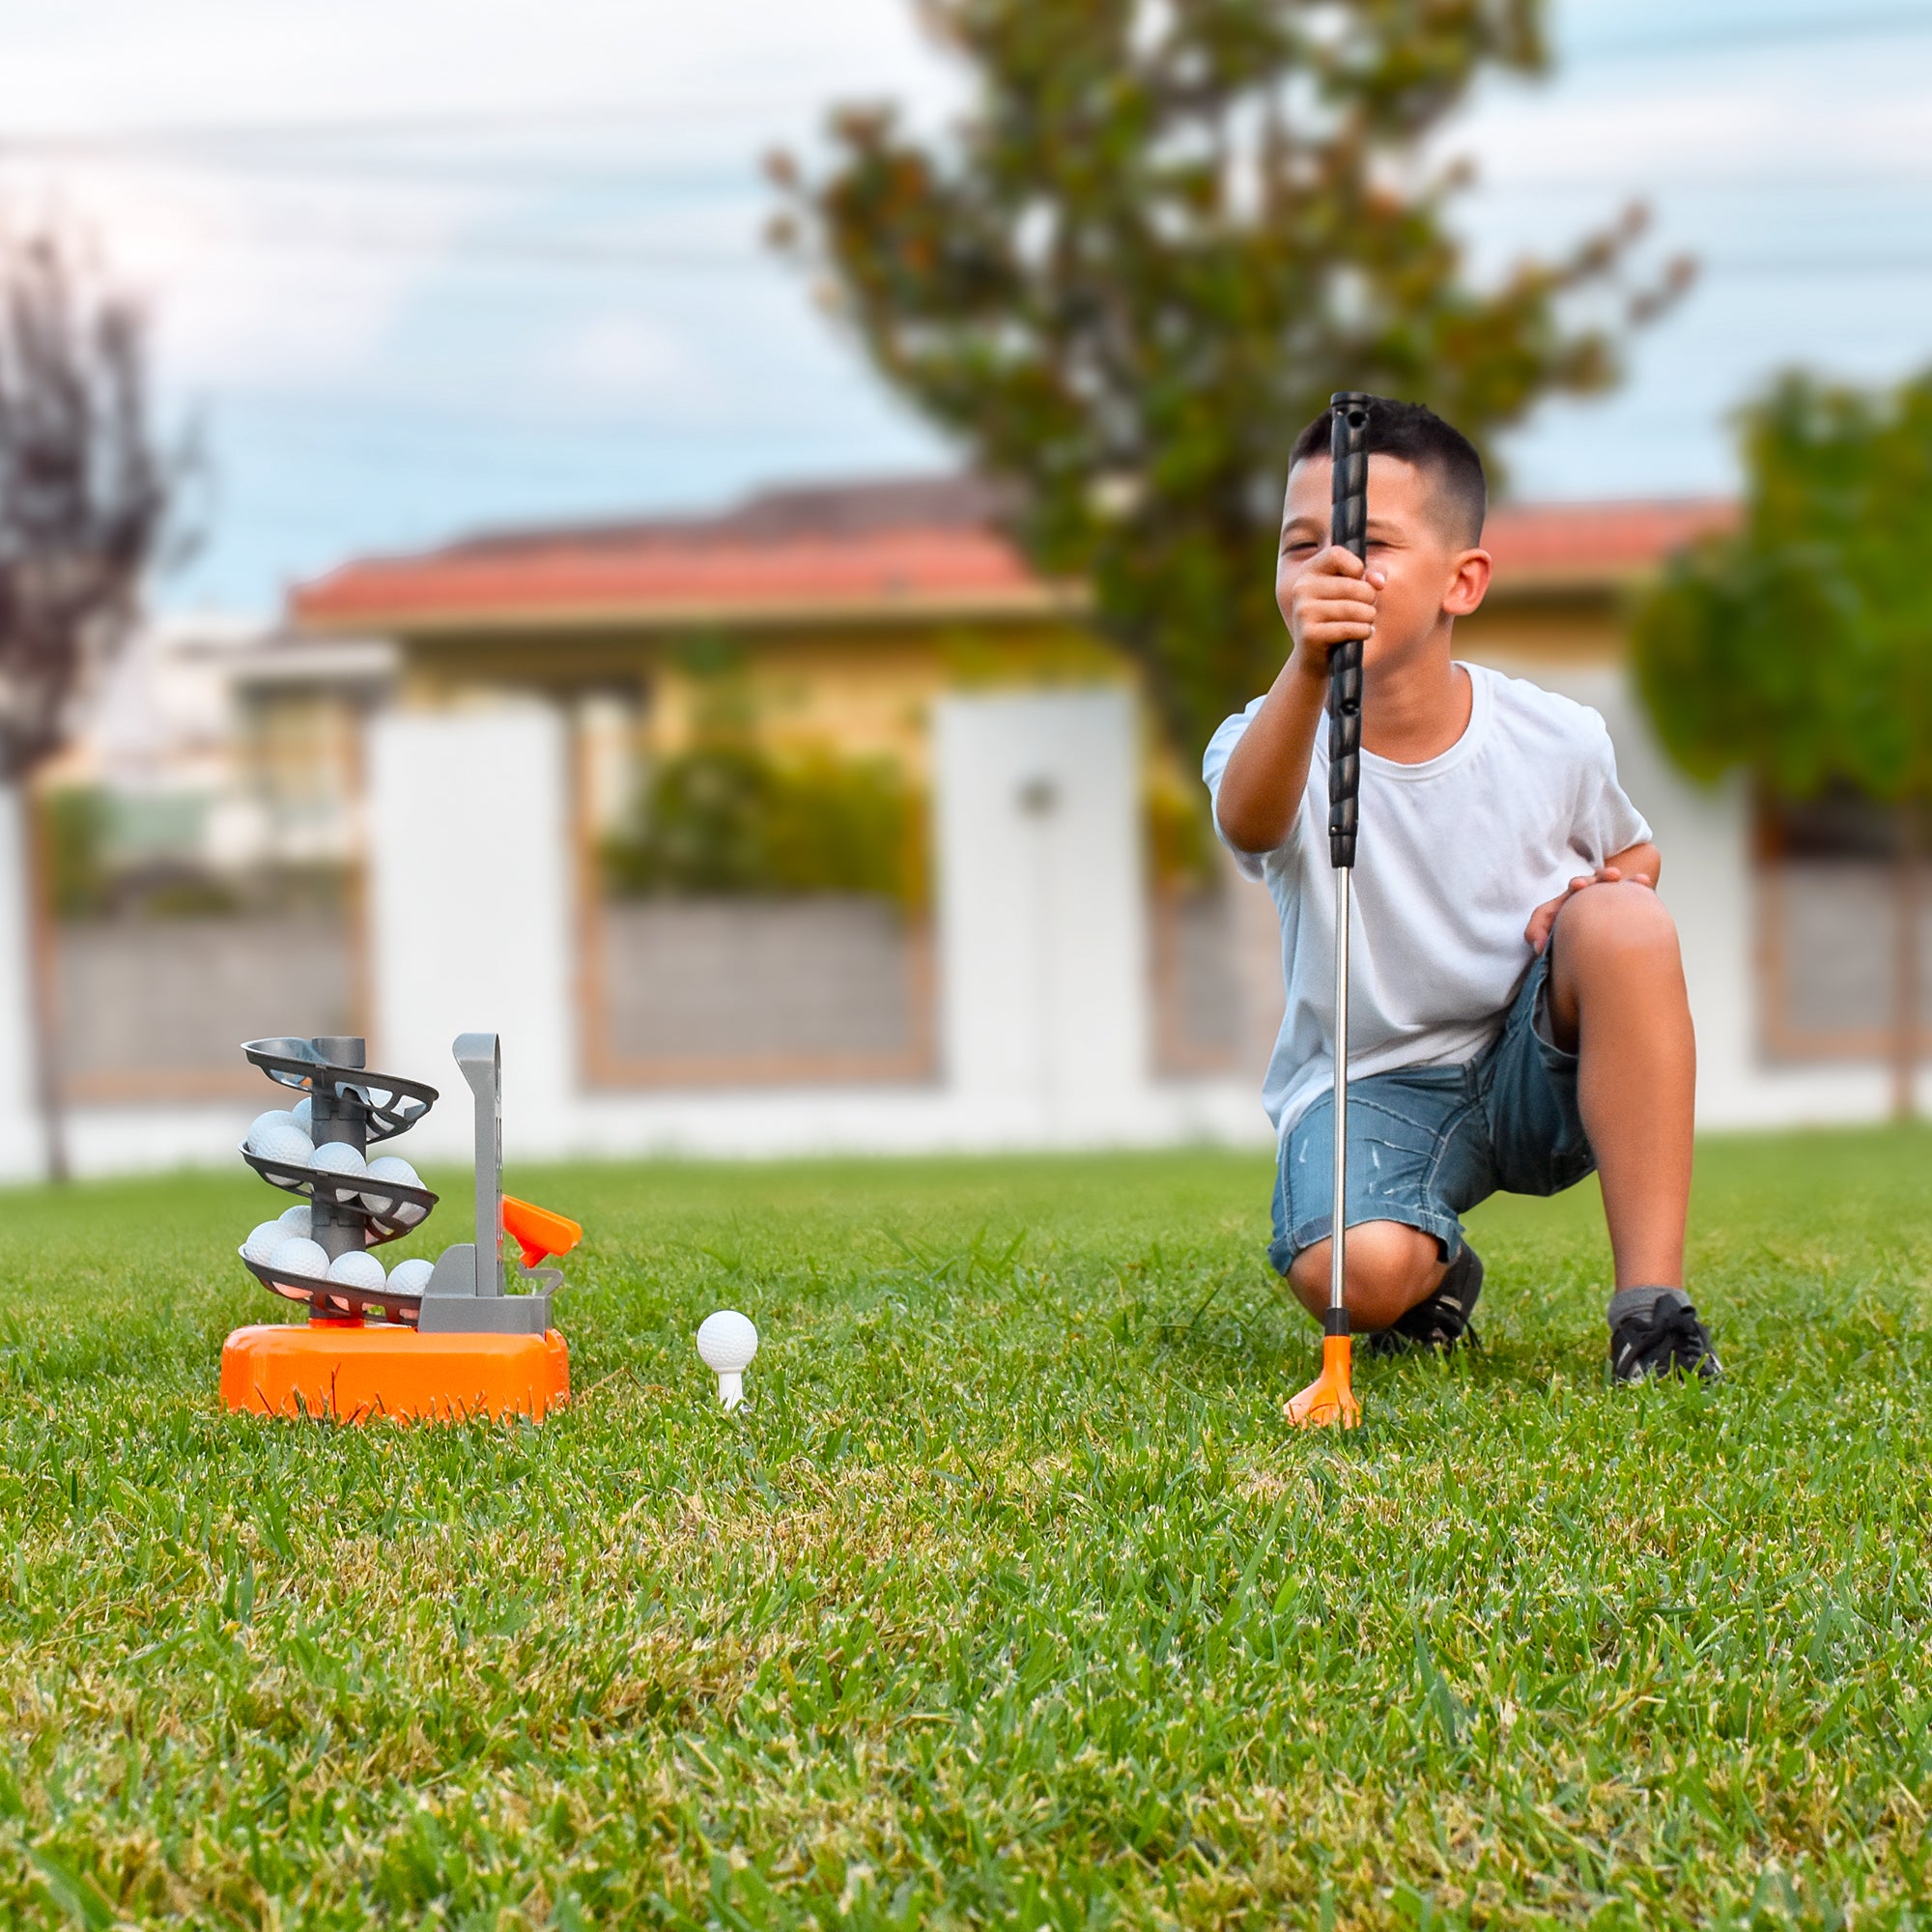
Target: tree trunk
43	978
1905	966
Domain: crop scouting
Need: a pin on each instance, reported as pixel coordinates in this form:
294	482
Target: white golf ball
296	1220
394	1168
298	1258
266	1124
265	1241
284	1142
357	1268
411	1277
728	1340
303	1111
336	1157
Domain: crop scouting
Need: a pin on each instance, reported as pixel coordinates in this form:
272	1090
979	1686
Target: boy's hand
1330	598
1543	918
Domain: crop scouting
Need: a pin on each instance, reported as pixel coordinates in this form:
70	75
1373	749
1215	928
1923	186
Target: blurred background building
746	768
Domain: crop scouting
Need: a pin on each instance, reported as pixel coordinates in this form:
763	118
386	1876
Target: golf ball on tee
299	1257
265	1241
336	1157
357	1268
728	1340
284	1142
295	1220
411	1277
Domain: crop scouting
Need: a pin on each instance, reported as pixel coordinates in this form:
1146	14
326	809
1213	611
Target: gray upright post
481	1058
464	1296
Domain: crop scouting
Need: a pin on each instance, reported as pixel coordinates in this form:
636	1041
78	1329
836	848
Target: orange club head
538	1231
1329	1402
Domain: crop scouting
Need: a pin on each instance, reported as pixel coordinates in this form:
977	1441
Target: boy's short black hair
1419	435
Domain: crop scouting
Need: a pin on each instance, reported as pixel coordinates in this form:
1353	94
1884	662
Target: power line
1818	267
646	257
422	125
1870	23
745	177
1740	183
464	433
271	171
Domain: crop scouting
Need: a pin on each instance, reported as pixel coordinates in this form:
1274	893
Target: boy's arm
1642	865
1641	861
1330	598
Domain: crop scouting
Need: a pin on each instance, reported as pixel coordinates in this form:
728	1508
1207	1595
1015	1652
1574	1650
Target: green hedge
731	820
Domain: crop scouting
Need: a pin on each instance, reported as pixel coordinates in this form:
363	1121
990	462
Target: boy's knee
1390	1267
1620	918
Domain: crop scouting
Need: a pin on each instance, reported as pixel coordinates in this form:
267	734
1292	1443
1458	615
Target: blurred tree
725	817
74	833
1799	648
1164	233
85	494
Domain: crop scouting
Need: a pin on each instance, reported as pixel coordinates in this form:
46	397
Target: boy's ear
1469	586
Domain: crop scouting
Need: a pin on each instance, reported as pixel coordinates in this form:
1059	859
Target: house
204	836
890	626
222	742
849	609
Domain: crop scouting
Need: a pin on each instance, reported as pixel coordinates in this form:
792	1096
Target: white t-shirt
1451	859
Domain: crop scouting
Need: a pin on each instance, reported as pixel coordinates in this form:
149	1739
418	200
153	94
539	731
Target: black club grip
1347	446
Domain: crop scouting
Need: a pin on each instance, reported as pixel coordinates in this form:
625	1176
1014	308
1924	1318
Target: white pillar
1260	988
471	912
1042	907
23	1148
1708	885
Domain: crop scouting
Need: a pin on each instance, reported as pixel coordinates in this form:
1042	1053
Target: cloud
212	145
246	286
1728	120
94	63
621	357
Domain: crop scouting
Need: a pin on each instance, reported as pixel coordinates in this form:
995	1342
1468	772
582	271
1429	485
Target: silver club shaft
1337	1273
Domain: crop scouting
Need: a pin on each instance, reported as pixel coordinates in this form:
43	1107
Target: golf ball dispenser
443	1341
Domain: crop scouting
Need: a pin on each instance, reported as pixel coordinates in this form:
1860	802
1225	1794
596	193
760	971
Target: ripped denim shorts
1426	1143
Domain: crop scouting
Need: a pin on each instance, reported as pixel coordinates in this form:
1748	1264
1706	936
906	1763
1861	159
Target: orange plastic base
354	1374
1329	1402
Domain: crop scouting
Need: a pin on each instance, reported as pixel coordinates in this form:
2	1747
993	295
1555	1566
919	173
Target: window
1845	926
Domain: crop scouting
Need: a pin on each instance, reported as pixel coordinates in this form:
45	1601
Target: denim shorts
1426	1143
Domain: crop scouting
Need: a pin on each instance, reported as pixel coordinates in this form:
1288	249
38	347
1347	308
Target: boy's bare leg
1391	1266
1617	999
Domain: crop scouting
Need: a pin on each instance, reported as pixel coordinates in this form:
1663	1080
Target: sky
421	267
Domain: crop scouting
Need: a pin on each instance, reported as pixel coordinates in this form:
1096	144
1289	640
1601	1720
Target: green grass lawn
1009	1598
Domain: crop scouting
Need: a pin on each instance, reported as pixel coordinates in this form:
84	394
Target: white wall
471	914
1042	906
23	1149
1705	838
1043	957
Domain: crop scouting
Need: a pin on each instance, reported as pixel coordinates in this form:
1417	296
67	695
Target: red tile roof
1596	543
926	546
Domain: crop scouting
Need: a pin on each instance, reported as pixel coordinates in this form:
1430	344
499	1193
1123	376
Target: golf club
1329	1399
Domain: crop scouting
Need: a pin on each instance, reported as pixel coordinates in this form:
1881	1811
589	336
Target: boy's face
1428	574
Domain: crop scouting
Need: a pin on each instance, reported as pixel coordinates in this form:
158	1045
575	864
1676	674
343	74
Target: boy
1518	1014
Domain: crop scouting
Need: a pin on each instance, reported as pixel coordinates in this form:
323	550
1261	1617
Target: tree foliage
85	492
725	817
1799	648
1162	235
